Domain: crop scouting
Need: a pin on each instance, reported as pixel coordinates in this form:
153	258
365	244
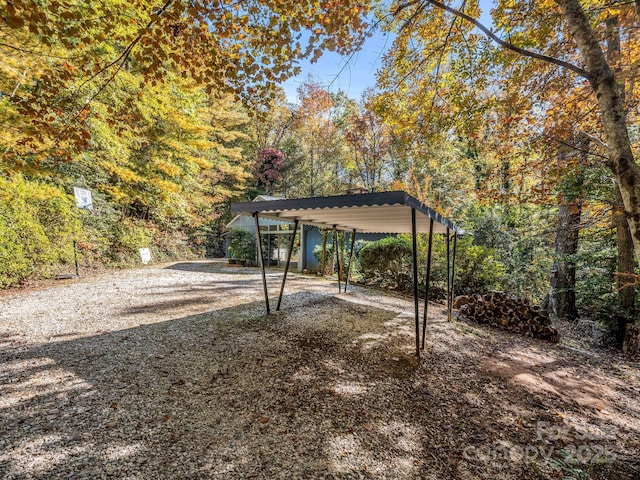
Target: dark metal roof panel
383	212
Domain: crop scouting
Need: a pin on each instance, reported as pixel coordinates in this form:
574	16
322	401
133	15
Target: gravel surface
174	371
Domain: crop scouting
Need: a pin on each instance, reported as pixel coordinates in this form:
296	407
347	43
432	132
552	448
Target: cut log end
631	345
508	313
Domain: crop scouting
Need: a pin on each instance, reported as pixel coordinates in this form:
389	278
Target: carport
384	212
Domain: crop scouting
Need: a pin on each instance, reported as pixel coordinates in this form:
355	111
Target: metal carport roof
384	212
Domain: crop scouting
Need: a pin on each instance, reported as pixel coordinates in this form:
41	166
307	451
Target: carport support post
353	240
416	302
286	268
335	246
427	280
448	277
261	259
453	272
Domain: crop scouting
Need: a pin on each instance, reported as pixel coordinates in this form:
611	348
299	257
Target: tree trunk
562	293
625	263
614	119
625	271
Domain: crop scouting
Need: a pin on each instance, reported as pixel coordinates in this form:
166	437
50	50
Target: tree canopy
78	48
540	77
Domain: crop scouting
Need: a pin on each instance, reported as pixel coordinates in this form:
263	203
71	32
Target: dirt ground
175	371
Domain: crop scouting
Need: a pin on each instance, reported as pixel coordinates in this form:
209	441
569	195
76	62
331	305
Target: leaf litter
175	371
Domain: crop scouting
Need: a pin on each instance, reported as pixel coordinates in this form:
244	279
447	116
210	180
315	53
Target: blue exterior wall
314	238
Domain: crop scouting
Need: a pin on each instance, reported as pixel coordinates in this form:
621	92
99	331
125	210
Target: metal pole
335	246
353	240
415	279
75	257
448	278
427	280
453	270
286	268
261	259
279	239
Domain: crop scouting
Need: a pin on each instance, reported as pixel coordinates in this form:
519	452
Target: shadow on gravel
199	266
218	265
327	388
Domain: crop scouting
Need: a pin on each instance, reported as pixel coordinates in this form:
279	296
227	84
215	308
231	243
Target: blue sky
353	74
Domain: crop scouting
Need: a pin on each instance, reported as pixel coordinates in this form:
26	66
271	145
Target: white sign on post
83	198
145	255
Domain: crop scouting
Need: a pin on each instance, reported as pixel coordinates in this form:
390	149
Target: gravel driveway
174	371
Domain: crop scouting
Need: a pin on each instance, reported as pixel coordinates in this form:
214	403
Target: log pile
507	312
631	345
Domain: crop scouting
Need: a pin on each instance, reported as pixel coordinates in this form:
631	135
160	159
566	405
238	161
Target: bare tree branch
437	74
595	139
508	45
32	52
18	84
412	18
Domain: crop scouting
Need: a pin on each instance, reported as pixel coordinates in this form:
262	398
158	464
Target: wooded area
524	131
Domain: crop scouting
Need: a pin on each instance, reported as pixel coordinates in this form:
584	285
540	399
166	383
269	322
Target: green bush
388	260
389	263
596	292
14	264
344	242
477	268
329	262
243	245
126	239
37	222
99	229
520	240
172	245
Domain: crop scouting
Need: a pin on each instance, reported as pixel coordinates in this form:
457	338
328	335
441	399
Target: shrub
243	244
477	268
516	238
389	263
389	260
37	222
97	237
127	237
317	254
171	245
329	262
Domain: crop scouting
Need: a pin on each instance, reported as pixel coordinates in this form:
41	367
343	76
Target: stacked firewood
631	344
507	312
